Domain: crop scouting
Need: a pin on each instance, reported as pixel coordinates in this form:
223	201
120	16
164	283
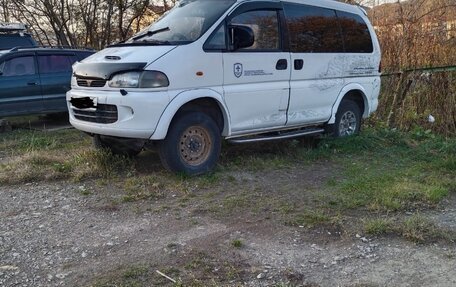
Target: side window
20	66
265	26
49	64
313	29
217	40
357	38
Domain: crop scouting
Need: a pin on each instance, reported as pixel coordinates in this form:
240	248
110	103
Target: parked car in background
35	80
15	35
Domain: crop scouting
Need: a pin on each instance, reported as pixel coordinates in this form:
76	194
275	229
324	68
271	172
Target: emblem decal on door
238	70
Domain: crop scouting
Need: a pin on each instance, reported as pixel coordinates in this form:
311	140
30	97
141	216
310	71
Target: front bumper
136	114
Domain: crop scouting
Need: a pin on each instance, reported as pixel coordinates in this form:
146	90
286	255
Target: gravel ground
53	235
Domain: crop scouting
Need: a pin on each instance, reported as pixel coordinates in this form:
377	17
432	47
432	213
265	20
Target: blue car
35	80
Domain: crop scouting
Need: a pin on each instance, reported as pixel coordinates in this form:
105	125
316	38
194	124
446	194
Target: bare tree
87	23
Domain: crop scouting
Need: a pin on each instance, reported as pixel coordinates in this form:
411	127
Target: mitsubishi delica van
240	70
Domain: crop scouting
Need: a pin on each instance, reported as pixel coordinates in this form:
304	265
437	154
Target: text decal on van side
257	73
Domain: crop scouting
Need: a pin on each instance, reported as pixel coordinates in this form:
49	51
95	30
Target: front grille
103	114
91	83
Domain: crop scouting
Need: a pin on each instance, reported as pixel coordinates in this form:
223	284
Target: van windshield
183	24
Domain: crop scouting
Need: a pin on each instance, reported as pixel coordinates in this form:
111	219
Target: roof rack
13	27
50	47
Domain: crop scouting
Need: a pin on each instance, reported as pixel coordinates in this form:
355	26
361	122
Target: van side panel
338	50
318	62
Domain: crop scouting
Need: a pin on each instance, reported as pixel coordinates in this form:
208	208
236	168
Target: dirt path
53	235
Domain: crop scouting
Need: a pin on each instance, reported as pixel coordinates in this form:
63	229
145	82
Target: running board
279	136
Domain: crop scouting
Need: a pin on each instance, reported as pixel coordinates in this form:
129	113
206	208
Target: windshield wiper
141	43
150	33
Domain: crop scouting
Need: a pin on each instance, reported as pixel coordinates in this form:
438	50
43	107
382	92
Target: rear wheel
348	119
125	147
192	145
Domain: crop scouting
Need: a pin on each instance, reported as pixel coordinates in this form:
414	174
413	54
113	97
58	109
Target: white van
240	70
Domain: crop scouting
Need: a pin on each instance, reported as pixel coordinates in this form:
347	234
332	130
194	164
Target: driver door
256	78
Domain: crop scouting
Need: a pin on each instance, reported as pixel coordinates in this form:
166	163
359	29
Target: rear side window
20	66
265	26
49	64
357	38
313	29
11	41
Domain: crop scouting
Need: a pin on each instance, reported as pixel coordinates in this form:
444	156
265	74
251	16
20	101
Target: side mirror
241	37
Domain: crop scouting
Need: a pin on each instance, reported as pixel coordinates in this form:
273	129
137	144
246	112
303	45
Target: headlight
145	79
73	81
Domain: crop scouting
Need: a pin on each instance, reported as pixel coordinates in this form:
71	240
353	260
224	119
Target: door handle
298	64
32	83
282	64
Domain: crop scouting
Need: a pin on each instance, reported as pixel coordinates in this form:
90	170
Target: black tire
348	120
192	145
124	147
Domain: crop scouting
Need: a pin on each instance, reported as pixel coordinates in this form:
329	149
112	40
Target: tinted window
313	29
55	63
357	38
265	27
20	66
11	41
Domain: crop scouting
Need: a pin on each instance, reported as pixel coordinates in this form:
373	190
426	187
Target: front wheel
348	119
192	145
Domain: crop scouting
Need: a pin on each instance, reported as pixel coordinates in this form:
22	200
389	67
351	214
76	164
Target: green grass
310	218
392	171
420	229
132	276
379	226
416	228
237	243
21	142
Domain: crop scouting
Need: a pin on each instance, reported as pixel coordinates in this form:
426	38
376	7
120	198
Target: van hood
129	54
118	59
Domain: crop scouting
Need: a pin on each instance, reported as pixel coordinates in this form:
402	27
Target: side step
277	136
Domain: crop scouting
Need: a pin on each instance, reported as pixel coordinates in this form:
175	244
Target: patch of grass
132	276
237	243
20	142
378	226
140	188
310	218
135	272
419	229
391	171
75	164
416	228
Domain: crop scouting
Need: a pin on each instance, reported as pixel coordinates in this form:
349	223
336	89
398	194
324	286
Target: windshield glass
185	23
